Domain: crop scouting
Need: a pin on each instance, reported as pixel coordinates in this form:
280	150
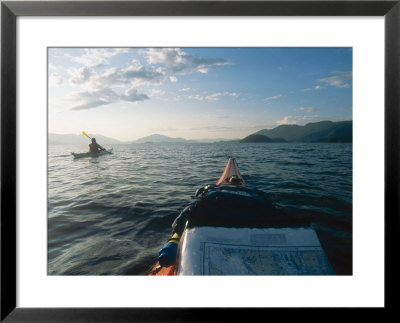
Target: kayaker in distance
94	147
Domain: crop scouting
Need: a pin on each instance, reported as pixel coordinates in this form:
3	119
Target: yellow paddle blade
85	134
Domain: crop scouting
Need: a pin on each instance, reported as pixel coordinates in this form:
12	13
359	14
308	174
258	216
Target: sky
195	93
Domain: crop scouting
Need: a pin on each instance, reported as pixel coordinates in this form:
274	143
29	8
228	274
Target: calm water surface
111	214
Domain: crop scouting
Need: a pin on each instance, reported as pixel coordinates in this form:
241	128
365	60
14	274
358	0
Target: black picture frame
11	10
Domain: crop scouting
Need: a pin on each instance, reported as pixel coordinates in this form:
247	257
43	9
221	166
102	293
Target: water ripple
110	215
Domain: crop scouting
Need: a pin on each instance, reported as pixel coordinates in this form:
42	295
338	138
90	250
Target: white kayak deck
252	251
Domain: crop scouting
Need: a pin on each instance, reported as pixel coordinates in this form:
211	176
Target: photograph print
200	161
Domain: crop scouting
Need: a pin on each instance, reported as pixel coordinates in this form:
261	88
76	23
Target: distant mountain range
324	131
261	138
72	139
160	138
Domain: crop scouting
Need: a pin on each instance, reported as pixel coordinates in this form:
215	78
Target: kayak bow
231	174
231	229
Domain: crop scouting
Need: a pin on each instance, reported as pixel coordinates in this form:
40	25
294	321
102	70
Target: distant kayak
231	229
88	154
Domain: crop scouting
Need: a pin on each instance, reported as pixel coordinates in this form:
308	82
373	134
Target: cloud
94	57
137	75
275	97
297	119
181	62
196	97
186	89
56	80
90	100
341	80
139	72
140	75
217	96
90	105
317	87
81	75
99	88
214	97
105	85
285	121
115	77
132	95
307	109
155	92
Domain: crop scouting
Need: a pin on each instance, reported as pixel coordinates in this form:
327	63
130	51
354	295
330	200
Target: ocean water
110	215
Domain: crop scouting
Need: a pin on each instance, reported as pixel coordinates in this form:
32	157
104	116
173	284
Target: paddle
87	136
